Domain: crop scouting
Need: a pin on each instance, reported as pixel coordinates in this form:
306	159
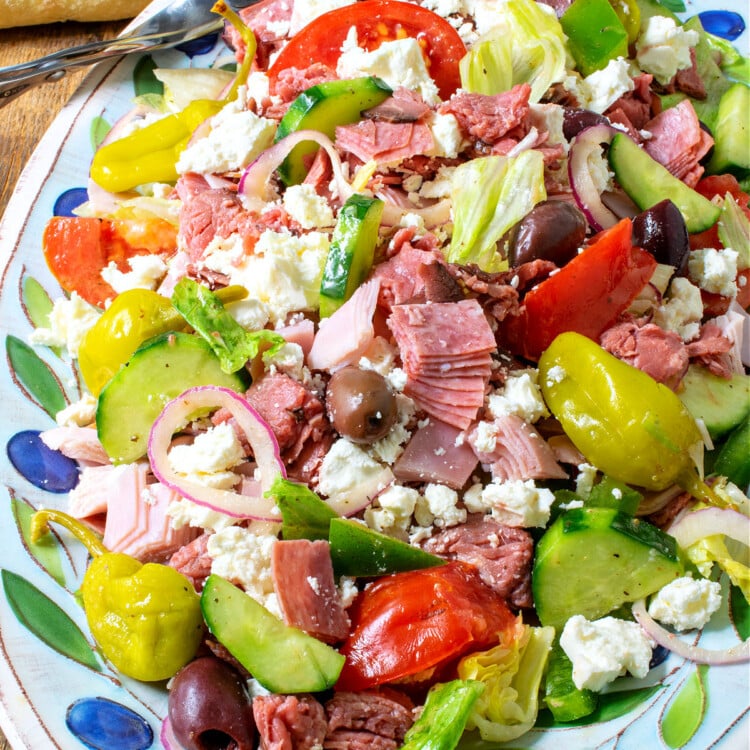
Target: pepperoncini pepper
150	154
624	422
134	316
146	618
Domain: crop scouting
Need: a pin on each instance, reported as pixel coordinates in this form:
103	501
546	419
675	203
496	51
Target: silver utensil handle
16	79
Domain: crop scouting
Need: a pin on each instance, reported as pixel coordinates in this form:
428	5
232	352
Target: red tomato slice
406	623
586	295
77	249
377	21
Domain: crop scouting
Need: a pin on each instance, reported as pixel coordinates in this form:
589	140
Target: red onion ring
260	436
168	740
697	654
586	143
254	180
696	525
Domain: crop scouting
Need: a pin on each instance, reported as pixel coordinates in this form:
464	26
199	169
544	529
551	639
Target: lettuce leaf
491	194
526	46
232	344
734	231
511	672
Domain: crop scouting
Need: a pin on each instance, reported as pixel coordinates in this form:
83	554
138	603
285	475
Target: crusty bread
34	12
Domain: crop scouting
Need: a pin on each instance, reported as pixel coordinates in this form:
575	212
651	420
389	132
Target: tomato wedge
586	295
377	21
406	623
78	248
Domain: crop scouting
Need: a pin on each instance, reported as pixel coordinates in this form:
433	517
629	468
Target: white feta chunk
604	649
398	63
245	559
683	309
520	396
394	509
69	321
714	270
517	502
439	506
686	603
604	87
307	208
306	11
78	414
208	460
146	271
663	48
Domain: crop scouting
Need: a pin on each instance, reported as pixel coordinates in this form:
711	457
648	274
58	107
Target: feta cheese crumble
69	321
516	502
519	396
714	270
663	48
682	312
600	90
604	649
146	271
307	208
686	603
209	458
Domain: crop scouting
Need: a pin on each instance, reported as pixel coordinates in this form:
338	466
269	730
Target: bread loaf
34	12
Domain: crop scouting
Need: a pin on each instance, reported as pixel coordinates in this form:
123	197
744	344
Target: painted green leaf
98	131
611	706
35	375
47	550
144	80
37	302
740	612
676	6
46	620
686	710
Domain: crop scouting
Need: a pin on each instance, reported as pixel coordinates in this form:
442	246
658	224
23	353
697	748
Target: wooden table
24	120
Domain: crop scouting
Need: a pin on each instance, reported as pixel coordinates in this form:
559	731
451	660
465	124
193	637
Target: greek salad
415	345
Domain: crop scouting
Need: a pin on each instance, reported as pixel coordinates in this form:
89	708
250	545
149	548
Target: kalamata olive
552	230
576	120
661	230
360	404
209	709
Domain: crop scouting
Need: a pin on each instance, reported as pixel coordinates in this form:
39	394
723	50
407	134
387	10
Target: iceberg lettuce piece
511	672
526	45
491	194
734	231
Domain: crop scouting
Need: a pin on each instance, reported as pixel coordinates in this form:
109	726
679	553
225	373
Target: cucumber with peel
591	560
647	183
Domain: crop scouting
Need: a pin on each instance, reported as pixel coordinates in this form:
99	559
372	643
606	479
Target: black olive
552	230
661	230
209	708
576	120
360	404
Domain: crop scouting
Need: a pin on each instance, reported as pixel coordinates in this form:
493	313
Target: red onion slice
260	436
697	654
254	180
168	740
586	145
698	524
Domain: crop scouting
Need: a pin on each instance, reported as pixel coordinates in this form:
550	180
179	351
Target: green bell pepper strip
625	423
150	154
146	619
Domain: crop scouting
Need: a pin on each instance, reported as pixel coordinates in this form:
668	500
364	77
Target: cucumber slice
351	252
722	403
281	658
160	370
322	108
733	460
592	560
732	132
359	551
647	183
563	698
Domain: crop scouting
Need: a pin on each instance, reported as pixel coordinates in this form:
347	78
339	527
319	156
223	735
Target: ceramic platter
56	691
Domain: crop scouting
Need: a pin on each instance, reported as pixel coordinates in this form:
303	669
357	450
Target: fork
178	22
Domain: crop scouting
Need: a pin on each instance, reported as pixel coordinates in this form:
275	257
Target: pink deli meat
344	337
79	443
520	452
289	722
306	590
384	142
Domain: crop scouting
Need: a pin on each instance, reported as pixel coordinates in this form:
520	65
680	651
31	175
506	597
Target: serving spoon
178	22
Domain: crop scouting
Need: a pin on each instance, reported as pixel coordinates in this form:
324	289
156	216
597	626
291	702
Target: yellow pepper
133	317
151	153
146	619
624	422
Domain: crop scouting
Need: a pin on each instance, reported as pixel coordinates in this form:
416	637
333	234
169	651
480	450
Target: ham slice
436	453
137	523
289	721
78	443
304	585
384	142
345	336
88	498
520	452
400	278
678	142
